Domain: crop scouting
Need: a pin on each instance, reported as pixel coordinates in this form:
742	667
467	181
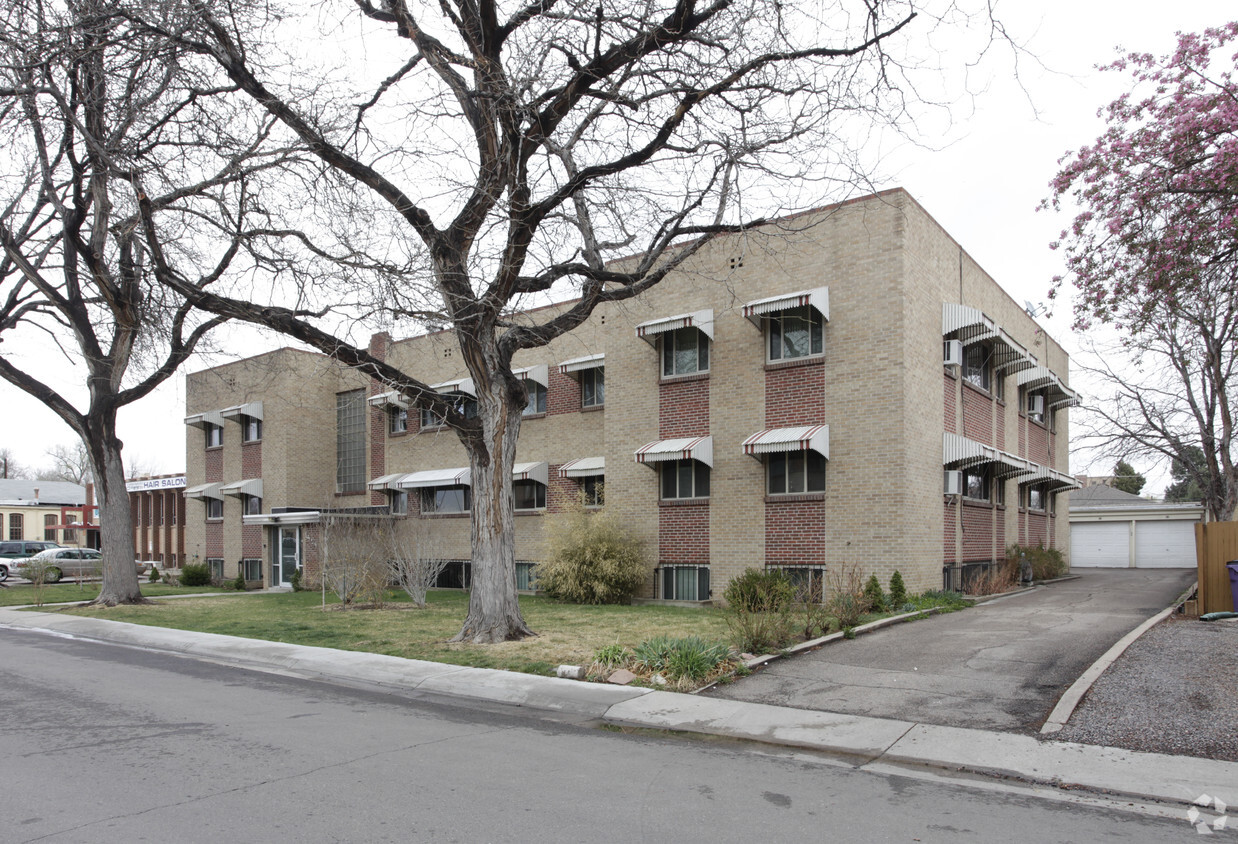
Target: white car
56	563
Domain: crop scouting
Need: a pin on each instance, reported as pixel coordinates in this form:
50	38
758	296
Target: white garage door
1100	545
1165	545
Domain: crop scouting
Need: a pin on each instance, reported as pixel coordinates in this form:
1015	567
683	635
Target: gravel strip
1175	691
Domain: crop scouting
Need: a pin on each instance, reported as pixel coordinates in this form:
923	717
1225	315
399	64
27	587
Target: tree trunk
494	610
120	577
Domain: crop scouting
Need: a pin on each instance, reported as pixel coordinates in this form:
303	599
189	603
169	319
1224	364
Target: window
685	583
16	528
446	499
528	495
1035	498
214	508
253	505
976	484
398	500
172	507
397	420
684	351
976	365
795	333
808	582
592	490
49	531
252	569
526	577
537	398
216	567
464	405
593	387
1035	404
214	434
350	414
251	429
685	479
791	472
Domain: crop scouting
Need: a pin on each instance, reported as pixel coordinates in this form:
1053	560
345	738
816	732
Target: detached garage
1114	529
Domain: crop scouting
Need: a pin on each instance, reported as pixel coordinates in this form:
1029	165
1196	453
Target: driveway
999	666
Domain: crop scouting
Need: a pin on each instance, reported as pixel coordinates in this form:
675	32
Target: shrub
239	583
684	662
898	592
992	581
759	604
612	656
591	559
873	594
1047	563
154	575
295	580
195	574
846	601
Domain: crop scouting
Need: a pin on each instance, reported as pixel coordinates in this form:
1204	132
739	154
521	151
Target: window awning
459	385
539	374
437	477
392	398
818	300
703	320
251	409
578	364
684	448
583	467
209	417
807	438
204	491
387	481
1041	377
249	486
1051	478
299	517
971	325
539	472
959	452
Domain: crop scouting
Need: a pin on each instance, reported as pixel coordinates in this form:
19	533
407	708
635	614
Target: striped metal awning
578	364
249	486
583	467
458	385
392	398
387	481
539	374
818	300
437	477
971	325
1041	377
204	491
683	448
703	320
209	417
808	438
251	409
539	472
1050	478
959	452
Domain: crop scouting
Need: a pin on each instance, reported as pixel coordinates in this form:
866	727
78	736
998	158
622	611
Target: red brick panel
977	533
794	533
795	395
1038	444
977	416
561	493
1001	428
251	460
1037	529
214	546
949	397
378	449
251	541
949	523
683	409
562	394
683	534
215	466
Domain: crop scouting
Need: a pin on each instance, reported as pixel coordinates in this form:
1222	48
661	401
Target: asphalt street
111	744
999	666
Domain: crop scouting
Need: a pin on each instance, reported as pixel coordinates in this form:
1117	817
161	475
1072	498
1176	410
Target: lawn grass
17	594
567	633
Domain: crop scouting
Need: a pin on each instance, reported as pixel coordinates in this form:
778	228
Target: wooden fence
1216	543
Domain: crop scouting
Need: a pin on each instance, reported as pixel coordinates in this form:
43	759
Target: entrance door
287	555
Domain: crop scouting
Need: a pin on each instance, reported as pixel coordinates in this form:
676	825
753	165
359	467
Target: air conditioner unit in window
953	482
1036	405
952	353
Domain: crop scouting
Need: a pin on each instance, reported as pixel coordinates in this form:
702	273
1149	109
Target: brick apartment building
845	387
157	503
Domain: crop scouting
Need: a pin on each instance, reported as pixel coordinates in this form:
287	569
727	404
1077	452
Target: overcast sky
982	182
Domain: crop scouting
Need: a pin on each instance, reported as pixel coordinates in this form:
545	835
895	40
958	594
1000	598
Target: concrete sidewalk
861	740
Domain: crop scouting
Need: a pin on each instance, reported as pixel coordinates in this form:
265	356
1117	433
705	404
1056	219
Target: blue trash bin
1232	565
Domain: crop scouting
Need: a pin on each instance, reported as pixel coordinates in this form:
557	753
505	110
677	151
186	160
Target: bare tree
415	558
355	558
9	465
511	152
68	463
97	118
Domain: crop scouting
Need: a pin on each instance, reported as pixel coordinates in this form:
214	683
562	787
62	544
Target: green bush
898	591
591	559
1047	563
759	604
239	583
873	594
847	601
684	662
154	575
295	580
612	656
195	574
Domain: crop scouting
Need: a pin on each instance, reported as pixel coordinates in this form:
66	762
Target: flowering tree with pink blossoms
1153	250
